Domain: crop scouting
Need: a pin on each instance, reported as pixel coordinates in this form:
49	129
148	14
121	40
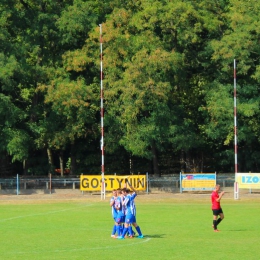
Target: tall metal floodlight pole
235	116
103	192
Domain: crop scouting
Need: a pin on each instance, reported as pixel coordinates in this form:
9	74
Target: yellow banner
197	181
199	184
93	182
248	180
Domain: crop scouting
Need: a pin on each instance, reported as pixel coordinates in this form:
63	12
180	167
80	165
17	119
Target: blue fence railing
165	182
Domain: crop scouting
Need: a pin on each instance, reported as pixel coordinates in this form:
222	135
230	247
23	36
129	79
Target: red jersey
215	203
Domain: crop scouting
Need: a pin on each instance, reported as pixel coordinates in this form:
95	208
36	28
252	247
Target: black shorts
216	212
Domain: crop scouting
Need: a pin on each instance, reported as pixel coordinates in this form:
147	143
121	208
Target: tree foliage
168	83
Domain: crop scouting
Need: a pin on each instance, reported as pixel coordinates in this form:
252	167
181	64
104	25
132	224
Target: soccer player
114	211
133	195
120	218
130	217
216	208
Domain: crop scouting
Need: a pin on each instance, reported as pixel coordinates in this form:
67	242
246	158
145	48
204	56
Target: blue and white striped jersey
114	211
129	204
119	205
133	195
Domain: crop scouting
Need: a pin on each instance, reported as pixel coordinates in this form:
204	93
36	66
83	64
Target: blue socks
114	230
139	231
130	231
118	230
124	231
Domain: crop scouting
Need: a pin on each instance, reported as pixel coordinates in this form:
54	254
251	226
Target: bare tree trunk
130	165
156	169
193	162
50	160
202	162
24	167
188	162
182	161
61	163
72	159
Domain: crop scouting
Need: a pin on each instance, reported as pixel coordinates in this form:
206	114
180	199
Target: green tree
239	41
156	63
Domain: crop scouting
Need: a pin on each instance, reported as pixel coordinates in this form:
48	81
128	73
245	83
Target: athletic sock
215	224
130	231
139	231
114	230
124	231
219	220
118	230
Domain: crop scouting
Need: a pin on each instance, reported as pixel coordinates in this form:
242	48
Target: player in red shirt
216	208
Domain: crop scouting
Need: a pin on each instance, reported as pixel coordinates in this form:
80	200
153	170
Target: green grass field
173	229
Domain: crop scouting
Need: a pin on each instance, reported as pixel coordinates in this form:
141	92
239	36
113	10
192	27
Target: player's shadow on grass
155	236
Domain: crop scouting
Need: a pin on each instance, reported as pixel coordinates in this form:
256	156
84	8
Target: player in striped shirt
120	218
114	211
133	195
130	211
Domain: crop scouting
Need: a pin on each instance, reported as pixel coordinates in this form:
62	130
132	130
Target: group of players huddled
124	213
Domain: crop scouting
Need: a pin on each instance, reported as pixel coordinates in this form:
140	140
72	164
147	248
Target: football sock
121	229
138	230
124	231
219	220
130	231
118	230
215	224
114	230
